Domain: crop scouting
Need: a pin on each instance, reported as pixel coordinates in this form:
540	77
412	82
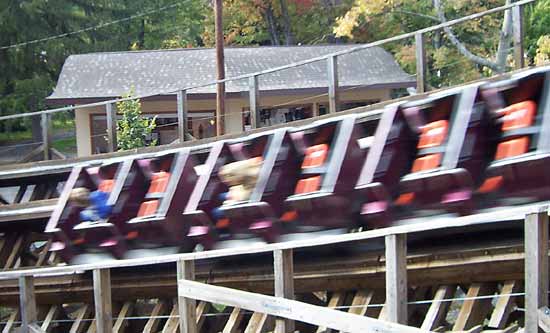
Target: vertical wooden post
254	101
536	267
182	114
396	278
187	306
102	300
220	67
27	303
420	44
517	22
283	265
111	127
332	72
315	109
46	135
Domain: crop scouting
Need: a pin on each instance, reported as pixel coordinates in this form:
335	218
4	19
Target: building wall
234	110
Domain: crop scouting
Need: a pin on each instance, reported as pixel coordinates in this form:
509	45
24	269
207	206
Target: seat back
515	117
432	135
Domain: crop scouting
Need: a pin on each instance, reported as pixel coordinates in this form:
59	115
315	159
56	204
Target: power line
100	26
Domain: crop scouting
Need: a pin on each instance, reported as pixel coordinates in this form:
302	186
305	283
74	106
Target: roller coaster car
329	165
94	201
158	221
259	177
520	149
449	151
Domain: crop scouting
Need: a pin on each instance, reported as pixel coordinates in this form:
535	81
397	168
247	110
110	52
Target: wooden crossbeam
275	306
153	323
234	321
80	319
93	327
202	309
474	311
360	302
544	319
337	299
256	323
438	309
505	304
43	253
10	323
51	315
14	249
121	322
172	323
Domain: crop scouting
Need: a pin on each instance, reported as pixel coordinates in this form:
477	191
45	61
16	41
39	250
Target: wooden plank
45	123
102	300
34	328
51	315
505	304
517	37
474	311
121	322
202	309
44	252
10	322
420	48
396	278
536	267
80	319
544	319
27	303
172	323
110	111
336	300
153	323
20	194
11	261
332	73
234	321
256	323
93	327
187	306
315	315
438	309
254	101
360	302
182	107
283	263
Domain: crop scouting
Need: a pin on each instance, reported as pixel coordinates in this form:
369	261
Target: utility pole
220	64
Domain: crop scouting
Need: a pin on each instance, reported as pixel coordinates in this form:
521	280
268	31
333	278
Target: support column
517	22
283	264
396	278
102	300
111	127
420	44
254	101
182	114
536	267
27	303
332	72
46	135
186	306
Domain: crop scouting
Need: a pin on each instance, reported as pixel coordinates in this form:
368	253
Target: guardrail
254	92
536	273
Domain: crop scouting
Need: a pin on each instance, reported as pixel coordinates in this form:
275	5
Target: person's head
80	196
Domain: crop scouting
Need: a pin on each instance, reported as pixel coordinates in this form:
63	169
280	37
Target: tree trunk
289	37
272	27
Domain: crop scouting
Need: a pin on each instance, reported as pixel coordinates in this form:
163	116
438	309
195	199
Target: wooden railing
536	277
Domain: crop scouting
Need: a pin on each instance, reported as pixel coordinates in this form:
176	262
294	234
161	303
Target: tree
133	128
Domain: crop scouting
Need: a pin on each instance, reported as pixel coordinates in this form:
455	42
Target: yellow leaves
543	51
361	8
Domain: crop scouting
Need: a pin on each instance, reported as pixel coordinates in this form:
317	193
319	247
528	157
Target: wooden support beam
121	322
254	101
536	267
172	323
102	300
396	278
80	319
45	123
283	263
505	304
517	21
14	252
182	107
438	309
360	302
43	253
474	311
202	309
187	306
275	306
27	303
234	321
20	194
420	48
256	323
332	72
10	322
544	319
110	110
336	300
153	323
51	315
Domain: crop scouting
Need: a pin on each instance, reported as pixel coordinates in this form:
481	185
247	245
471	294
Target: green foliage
133	128
543	51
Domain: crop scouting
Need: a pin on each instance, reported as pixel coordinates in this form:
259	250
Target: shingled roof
99	75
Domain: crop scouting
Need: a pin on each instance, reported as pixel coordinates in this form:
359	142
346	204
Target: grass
65	146
58	126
